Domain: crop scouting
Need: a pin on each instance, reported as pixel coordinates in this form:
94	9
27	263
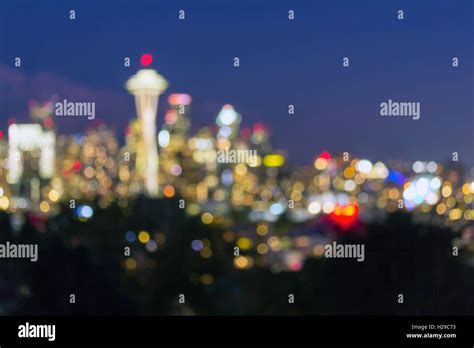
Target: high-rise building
31	157
177	117
4	187
146	86
130	180
228	122
175	156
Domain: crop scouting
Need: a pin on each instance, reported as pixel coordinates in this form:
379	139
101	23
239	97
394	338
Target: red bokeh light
259	128
76	165
345	215
296	265
171	117
48	122
146	59
325	155
179	99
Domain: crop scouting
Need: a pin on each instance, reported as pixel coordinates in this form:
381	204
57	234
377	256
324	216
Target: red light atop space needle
146	59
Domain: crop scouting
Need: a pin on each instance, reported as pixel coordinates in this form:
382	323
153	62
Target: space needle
146	86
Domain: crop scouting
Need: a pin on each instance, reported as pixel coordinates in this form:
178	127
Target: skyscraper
175	156
177	117
146	86
31	156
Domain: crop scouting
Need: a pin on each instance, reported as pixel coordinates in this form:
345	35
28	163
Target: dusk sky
281	62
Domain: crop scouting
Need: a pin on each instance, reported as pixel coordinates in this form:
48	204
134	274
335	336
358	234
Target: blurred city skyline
218	199
286	62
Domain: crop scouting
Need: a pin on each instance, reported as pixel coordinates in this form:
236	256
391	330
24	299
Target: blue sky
282	62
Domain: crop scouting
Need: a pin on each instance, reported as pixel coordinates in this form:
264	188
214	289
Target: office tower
175	156
31	157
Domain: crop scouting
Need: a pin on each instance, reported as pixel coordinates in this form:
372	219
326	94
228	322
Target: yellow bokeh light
349	210
296	196
144	237
44	207
393	193
349	173
441	208
273	160
298	186
262	248
262	230
468	215
446	191
320	164
130	264
274	243
4	203
241	169
206	252
451	202
243	262
466	188
207	279
207	218
53	195
244	243
193	209
240	262
455	214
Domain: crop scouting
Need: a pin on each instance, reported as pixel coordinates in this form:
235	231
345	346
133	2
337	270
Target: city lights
337	191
